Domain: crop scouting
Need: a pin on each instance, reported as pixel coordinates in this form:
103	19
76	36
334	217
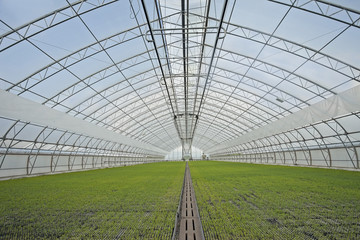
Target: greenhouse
251	106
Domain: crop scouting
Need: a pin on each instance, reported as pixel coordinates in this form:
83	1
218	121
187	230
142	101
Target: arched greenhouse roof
266	79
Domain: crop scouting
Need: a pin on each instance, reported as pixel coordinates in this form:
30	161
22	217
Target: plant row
249	201
119	203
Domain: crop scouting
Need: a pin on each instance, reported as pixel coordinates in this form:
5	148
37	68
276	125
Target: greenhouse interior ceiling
102	83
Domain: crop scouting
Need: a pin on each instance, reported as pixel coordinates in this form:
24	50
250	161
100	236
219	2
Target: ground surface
236	201
248	201
136	202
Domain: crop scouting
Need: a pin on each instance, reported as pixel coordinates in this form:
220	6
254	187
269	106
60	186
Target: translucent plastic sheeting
343	103
20	108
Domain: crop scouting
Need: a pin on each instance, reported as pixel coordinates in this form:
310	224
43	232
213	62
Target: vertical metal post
357	158
51	163
274	157
284	157
27	165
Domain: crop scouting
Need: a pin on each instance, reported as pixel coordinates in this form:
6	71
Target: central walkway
189	227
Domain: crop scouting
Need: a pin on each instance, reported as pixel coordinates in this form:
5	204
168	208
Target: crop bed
250	201
135	202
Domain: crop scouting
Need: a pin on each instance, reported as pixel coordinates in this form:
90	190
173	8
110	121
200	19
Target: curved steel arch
72	59
49	20
325	9
108	92
286	45
232	74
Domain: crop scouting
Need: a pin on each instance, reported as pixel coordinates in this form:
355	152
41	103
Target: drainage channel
188	225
